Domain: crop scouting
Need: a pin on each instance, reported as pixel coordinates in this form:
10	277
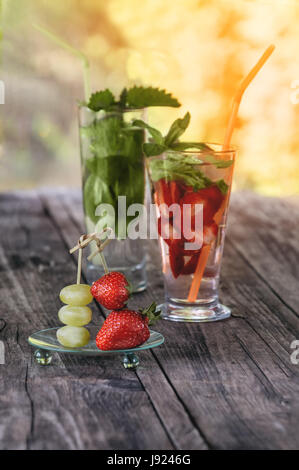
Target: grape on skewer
75	314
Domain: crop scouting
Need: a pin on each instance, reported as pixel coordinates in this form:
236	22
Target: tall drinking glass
191	192
112	167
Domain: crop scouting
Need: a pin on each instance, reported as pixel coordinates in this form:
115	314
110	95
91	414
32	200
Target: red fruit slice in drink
210	199
167	231
210	233
190	266
186	189
176	192
197	242
213	195
196	201
176	258
191	252
163	193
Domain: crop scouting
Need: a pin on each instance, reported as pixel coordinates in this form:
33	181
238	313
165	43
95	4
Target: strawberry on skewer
112	291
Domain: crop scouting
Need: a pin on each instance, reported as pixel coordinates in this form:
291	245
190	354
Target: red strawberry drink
191	191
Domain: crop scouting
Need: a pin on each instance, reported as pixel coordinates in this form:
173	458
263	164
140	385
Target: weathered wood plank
248	393
15	403
235	377
261	333
77	402
226	385
265	232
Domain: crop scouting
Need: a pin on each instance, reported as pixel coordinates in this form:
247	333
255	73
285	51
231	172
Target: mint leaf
187	159
170	141
152	149
176	167
123	98
135	97
95	192
218	163
101	100
141	97
156	135
181	146
222	186
177	129
179	169
104	136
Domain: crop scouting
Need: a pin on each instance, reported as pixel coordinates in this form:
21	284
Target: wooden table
226	385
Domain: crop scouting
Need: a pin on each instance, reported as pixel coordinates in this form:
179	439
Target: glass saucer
45	342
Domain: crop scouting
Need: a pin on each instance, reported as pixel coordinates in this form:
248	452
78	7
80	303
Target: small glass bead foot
130	361
42	357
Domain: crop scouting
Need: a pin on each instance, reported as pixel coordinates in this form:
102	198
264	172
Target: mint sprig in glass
191	184
113	167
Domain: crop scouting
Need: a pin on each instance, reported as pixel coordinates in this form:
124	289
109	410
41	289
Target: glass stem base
194	313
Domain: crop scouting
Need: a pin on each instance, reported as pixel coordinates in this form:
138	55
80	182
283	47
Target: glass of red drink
191	193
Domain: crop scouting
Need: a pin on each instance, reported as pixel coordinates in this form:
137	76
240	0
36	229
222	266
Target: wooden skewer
84	241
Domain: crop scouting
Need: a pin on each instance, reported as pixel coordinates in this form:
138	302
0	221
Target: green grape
73	336
78	295
75	316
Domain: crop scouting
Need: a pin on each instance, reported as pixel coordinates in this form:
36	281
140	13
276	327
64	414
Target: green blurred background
199	50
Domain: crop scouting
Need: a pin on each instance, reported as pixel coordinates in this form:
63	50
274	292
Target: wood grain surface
226	385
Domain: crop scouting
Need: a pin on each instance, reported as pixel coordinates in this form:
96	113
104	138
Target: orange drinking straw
204	255
201	265
238	96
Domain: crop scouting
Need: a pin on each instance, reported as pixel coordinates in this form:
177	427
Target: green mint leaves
114	166
101	100
159	144
113	163
133	98
222	186
175	166
141	97
185	169
177	129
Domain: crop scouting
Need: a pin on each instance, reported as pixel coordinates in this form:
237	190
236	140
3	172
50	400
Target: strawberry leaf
129	287
151	313
156	135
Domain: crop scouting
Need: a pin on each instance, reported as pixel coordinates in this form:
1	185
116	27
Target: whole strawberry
112	291
126	329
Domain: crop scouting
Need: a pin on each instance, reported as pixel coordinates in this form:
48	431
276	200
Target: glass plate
46	340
